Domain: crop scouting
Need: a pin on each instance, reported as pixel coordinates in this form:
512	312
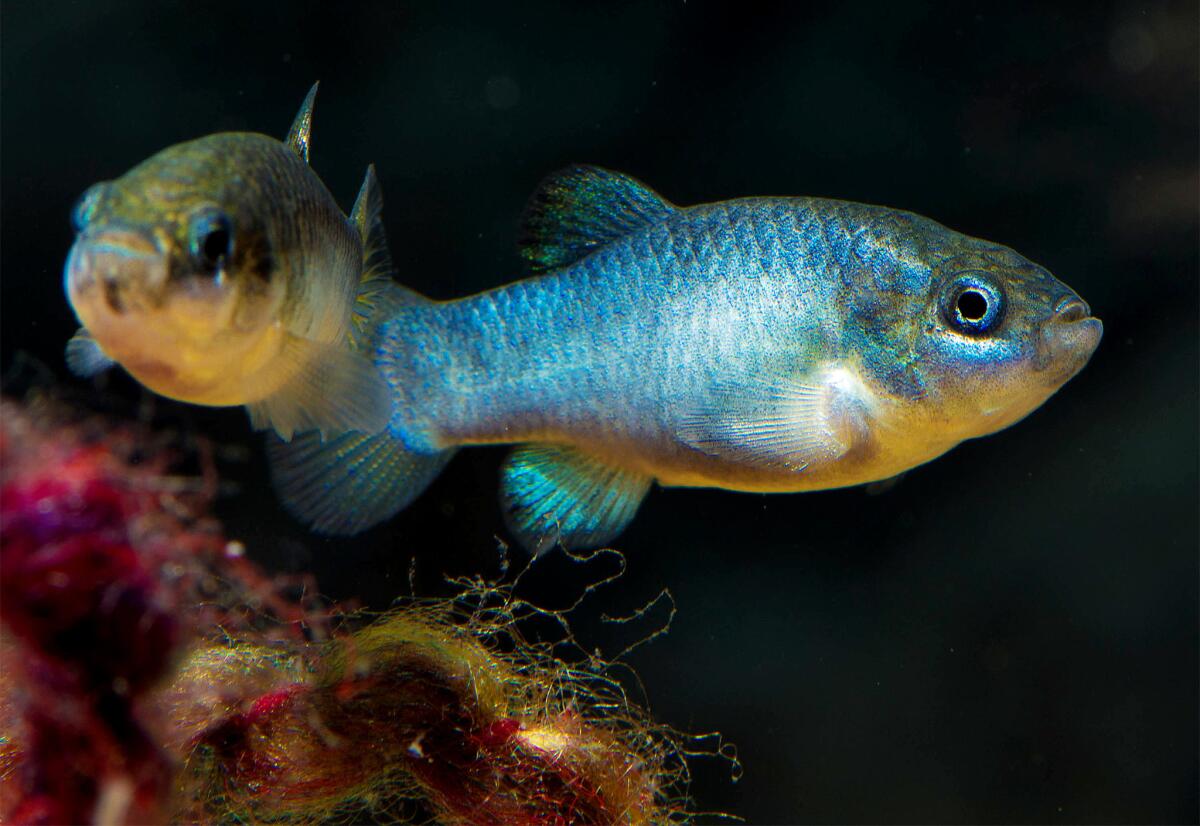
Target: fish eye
85	207
211	238
973	304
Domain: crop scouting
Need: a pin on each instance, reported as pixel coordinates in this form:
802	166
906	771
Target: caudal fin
351	482
347	482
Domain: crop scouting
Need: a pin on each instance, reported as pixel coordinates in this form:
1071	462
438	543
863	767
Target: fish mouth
114	279
1069	338
113	272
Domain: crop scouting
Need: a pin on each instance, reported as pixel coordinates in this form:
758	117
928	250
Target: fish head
996	336
176	269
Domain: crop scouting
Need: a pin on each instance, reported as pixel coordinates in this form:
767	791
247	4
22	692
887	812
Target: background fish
221	272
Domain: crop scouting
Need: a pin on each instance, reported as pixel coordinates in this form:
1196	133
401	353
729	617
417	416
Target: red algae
152	673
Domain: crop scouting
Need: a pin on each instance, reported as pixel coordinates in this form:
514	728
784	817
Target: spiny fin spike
297	137
376	278
367	217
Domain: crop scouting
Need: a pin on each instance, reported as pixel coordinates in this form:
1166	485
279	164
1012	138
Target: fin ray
560	495
334	389
84	356
351	482
780	418
579	209
344	483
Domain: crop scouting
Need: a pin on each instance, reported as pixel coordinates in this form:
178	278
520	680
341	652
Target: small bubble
235	549
501	92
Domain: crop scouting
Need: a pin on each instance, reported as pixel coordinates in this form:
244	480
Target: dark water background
1008	635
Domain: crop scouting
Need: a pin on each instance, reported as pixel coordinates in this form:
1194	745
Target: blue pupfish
761	344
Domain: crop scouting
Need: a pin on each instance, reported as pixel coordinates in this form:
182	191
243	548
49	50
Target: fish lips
112	271
1068	340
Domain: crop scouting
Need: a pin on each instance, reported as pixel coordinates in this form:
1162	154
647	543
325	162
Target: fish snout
112	270
1069	338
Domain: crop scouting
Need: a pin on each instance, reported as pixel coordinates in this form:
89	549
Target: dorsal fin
297	137
367	217
579	209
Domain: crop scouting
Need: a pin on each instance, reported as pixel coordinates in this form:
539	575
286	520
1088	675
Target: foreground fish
760	344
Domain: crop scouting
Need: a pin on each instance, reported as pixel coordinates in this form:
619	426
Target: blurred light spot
501	92
1132	48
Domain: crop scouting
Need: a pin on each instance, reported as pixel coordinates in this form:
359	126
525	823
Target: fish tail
348	482
353	481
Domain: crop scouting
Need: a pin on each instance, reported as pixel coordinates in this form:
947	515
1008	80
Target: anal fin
556	495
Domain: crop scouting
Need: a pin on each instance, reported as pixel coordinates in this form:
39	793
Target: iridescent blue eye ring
210	238
973	304
85	207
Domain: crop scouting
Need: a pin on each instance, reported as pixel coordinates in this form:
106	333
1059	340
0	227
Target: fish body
221	272
759	344
675	350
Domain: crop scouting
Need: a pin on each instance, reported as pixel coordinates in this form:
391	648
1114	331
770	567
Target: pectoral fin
84	356
334	389
560	495
781	419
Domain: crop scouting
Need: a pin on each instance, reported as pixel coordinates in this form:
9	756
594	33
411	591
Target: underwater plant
152	673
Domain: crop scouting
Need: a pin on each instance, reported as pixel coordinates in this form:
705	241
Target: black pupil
972	305
216	244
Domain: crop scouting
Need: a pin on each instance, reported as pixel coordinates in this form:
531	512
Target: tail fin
353	481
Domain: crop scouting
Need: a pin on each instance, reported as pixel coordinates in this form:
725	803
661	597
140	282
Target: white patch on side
794	420
849	407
